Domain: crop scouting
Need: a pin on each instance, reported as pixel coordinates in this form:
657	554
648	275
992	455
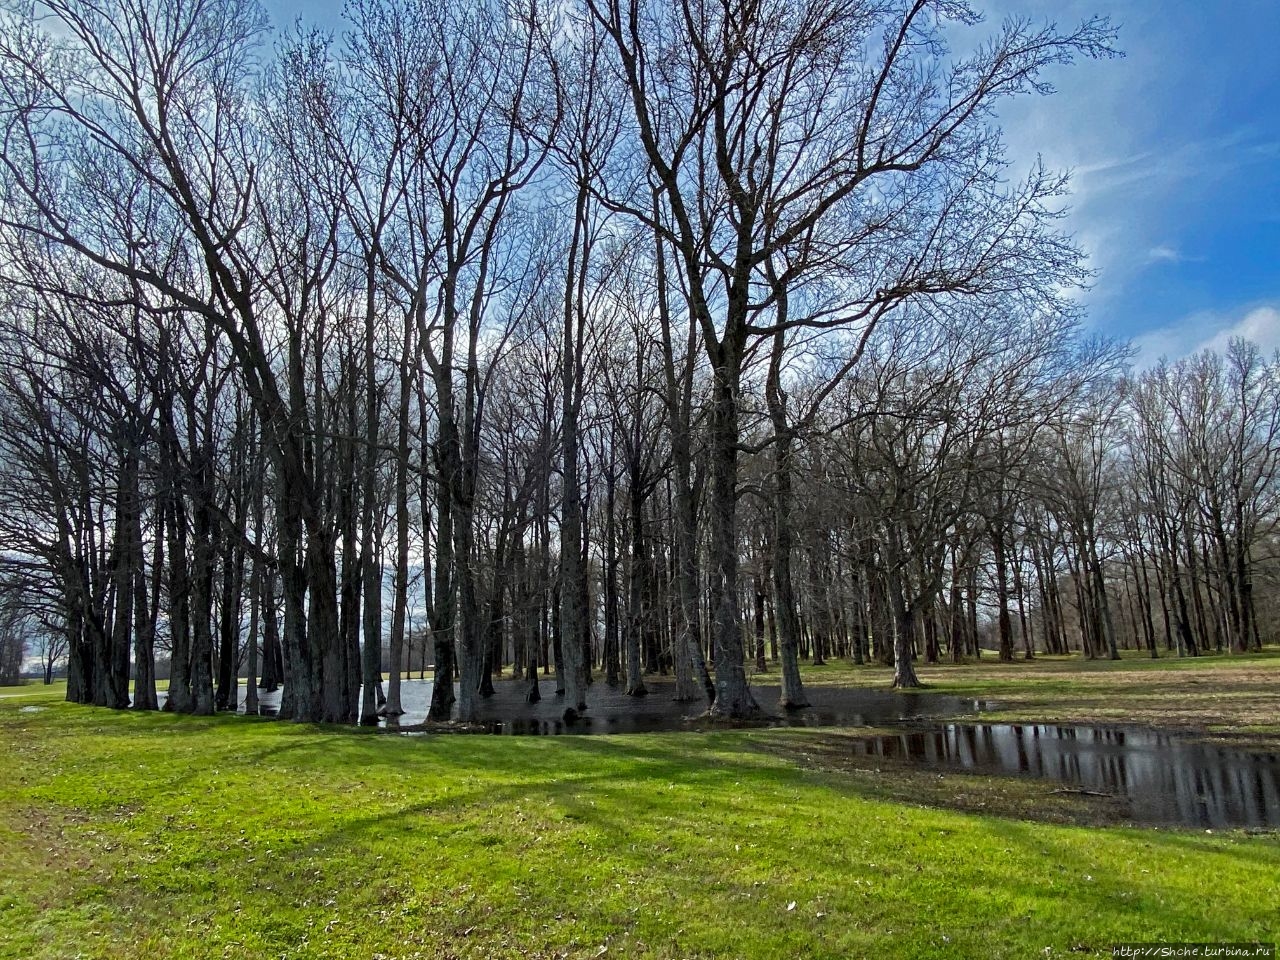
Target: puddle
1163	778
611	711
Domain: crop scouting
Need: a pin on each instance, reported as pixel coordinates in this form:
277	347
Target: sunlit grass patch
161	836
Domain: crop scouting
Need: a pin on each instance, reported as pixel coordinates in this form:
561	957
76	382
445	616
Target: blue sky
1175	153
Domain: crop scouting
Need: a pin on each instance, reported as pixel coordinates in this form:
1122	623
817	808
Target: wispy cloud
1209	331
1164	254
1159	143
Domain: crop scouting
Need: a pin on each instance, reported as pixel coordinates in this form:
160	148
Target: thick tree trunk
333	701
955	605
79	656
1028	642
904	672
1238	563
689	639
442	609
495	619
1142	582
573	574
1197	599
733	696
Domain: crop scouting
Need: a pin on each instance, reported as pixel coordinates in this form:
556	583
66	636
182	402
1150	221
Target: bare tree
765	130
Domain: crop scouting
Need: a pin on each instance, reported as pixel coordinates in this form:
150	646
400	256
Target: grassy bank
161	836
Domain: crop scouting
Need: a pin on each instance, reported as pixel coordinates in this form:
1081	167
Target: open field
1226	695
161	836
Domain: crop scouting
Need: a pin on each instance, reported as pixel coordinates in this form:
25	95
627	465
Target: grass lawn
152	836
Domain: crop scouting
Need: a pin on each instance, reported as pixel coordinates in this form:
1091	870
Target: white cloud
1164	254
1209	331
1261	325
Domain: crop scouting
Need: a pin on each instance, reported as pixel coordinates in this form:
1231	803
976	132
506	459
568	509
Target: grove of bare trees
597	339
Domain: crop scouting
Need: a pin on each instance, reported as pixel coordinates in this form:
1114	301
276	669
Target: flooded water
611	711
1163	779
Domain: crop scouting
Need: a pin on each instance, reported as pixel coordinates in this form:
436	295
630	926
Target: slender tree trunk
1028	642
526	632
400	596
638	617
227	697
272	656
202	612
793	695
114	672
612	638
471	635
573	574
757	595
255	626
1002	594
145	615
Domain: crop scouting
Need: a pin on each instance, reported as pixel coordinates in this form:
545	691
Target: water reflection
1164	779
611	711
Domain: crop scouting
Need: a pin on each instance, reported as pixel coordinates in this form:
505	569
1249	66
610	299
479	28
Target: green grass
1223	695
158	836
34	689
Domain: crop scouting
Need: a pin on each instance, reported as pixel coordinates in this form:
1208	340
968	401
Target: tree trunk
904	673
145	616
612	631
733	695
255	625
272	657
793	696
638	616
1002	594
